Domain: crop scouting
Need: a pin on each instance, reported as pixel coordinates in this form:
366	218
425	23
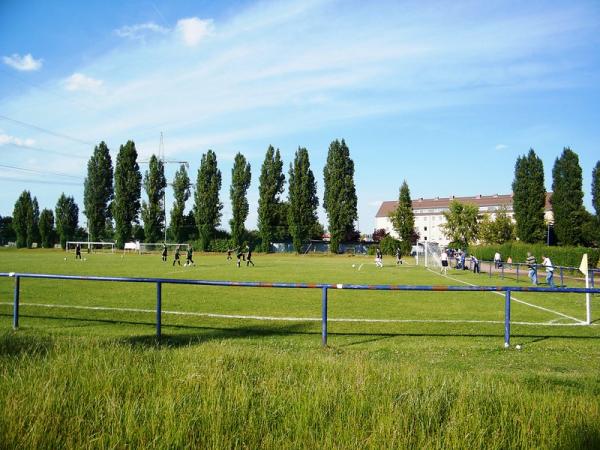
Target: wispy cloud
8	139
141	31
501	146
26	63
81	82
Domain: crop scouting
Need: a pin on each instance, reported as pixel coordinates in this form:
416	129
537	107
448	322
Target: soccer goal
91	247
429	254
157	247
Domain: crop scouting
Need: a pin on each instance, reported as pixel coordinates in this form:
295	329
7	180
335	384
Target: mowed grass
430	372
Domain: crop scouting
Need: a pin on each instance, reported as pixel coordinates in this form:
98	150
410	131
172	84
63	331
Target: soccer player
398	256
239	255
378	258
249	256
164	253
78	251
444	259
176	260
229	254
189	261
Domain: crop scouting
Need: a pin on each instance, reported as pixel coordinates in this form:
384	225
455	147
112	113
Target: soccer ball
85	259
65	258
353	265
518	347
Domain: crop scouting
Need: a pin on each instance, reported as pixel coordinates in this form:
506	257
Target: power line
44	130
29	180
44	150
23	169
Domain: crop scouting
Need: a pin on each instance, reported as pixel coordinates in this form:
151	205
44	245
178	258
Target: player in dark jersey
176	260
249	257
239	255
189	261
164	252
78	251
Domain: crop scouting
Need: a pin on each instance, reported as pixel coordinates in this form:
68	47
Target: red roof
430	203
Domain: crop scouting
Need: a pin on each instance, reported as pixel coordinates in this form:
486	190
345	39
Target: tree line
572	224
113	206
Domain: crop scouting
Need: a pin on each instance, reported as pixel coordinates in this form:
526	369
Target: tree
461	223
596	189
403	219
22	214
567	198
67	217
270	214
153	213
128	186
302	198
181	192
33	223
47	228
240	182
529	198
7	232
207	207
496	231
340	200
98	192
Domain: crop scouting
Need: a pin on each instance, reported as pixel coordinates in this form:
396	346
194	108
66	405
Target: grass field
402	369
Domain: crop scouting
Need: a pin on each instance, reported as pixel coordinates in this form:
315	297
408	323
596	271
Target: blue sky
443	94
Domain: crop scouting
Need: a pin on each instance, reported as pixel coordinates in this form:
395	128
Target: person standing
531	263
497	260
398	256
549	271
164	253
78	251
176	260
444	259
239	255
475	263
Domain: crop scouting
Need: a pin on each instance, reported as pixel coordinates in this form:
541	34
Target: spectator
532	264
549	271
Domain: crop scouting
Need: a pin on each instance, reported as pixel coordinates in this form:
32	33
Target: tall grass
67	392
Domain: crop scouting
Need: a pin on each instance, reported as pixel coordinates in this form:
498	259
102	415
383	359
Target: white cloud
193	30
80	82
25	63
140	31
8	139
501	146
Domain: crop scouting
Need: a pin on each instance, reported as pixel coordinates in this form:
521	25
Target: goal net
91	247
157	247
430	256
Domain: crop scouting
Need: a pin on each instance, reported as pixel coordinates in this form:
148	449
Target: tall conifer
529	198
270	207
596	189
403	218
302	198
240	182
153	213
181	192
98	192
67	218
207	206
128	186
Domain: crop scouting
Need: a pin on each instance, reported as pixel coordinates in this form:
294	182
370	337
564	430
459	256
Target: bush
560	256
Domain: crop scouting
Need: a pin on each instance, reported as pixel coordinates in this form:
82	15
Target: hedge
560	256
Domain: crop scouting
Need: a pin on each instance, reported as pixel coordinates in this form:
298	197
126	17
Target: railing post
490	269
158	308
502	271
324	317
562	284
16	305
592	278
518	272
507	318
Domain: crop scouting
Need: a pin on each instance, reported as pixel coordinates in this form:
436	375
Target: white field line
289	319
514	299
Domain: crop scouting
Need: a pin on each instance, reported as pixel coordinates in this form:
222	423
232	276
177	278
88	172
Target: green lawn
416	369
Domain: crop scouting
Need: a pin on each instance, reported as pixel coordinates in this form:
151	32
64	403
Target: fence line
323	286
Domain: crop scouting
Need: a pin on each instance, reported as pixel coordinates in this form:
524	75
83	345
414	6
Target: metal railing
324	287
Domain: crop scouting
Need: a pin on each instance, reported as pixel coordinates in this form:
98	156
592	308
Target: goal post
91	247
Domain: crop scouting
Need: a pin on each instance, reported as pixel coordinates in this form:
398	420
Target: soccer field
402	368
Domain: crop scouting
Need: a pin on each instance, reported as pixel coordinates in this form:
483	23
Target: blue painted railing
323	286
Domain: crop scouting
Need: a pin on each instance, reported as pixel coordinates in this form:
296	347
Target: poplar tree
47	228
403	218
270	207
181	192
596	189
567	198
302	199
128	185
153	213
340	200
207	207
529	198
67	217
240	182
22	214
98	192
